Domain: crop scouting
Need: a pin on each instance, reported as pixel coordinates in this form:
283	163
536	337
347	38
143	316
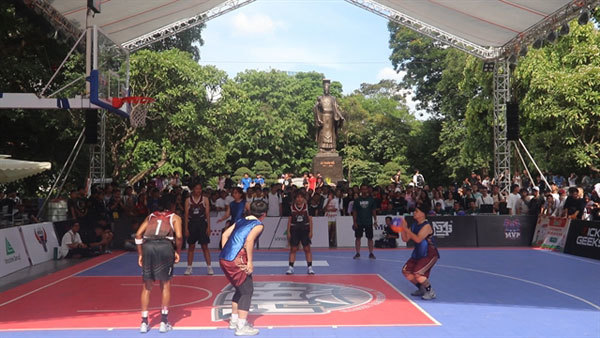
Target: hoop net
139	108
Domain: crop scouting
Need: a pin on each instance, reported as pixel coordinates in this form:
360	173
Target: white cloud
244	25
388	73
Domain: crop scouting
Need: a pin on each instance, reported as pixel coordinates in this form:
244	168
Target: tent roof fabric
13	170
489	24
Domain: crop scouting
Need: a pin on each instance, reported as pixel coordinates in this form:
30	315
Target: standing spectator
235	209
246	181
364	216
513	198
573	206
331	207
523	203
485	202
116	205
221	183
437	198
397	179
259	181
314	206
312	182
418	179
572	180
274	200
525	181
221	203
549	206
536	202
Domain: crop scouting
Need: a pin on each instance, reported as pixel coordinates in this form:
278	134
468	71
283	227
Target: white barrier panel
13	256
272	225
40	240
320	237
345	234
216	228
279	239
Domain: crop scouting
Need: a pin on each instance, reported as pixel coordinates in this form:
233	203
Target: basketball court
481	293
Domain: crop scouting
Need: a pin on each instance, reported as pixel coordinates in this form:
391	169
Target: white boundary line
60	280
412	302
560	254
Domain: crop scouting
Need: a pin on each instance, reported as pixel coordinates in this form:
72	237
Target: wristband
139	241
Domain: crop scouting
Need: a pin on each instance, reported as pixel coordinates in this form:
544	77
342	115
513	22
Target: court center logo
512	229
442	229
296	298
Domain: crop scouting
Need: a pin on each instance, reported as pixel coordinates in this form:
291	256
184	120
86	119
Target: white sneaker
144	327
210	270
165	327
290	270
188	271
310	270
232	324
246	330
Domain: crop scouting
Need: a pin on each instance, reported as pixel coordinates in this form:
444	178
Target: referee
158	244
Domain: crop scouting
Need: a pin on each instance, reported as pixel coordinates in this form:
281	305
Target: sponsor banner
40	241
452	231
551	233
274	226
505	230
216	228
584	239
13	256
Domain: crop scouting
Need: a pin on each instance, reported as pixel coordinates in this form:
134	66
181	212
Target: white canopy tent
13	170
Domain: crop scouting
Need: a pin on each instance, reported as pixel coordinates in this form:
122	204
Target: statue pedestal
329	165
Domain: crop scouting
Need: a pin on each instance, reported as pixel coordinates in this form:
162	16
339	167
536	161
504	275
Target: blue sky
346	43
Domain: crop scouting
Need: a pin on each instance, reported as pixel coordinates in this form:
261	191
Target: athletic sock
426	285
234	317
145	317
292	264
309	263
164	314
241	323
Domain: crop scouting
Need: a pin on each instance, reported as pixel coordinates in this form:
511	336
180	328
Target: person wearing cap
424	255
536	202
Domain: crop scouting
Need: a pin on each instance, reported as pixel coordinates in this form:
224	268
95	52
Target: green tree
559	91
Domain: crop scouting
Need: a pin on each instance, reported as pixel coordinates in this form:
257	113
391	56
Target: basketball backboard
109	76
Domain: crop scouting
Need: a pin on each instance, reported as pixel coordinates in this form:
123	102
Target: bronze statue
328	119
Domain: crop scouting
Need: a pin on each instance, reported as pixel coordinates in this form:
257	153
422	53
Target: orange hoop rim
118	102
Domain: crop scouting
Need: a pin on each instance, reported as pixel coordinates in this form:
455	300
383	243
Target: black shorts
158	257
367	229
300	234
198	233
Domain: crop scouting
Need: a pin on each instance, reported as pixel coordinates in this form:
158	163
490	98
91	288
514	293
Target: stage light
512	59
539	43
488	66
551	36
584	17
523	51
564	29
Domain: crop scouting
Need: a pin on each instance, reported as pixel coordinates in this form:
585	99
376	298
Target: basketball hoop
139	108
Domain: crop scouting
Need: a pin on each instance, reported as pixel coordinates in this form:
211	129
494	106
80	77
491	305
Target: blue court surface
480	293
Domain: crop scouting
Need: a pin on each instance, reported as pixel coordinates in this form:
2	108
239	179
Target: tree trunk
143	173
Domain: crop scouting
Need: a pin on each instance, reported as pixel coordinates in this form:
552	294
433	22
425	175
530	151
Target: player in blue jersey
424	255
236	261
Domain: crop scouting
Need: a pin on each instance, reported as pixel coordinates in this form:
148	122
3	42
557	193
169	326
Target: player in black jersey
299	230
197	226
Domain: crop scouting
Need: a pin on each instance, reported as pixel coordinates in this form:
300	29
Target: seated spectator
457	210
485	202
102	240
473	210
522	204
549	206
71	244
389	238
573	206
436	211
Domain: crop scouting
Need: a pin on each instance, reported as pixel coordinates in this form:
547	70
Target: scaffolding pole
501	144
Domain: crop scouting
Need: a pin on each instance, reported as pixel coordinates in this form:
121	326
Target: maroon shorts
421	266
233	269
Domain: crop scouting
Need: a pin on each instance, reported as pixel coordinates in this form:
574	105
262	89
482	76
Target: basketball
397	224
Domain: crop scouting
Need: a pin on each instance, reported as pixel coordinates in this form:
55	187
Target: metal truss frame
98	152
184	24
427	29
501	143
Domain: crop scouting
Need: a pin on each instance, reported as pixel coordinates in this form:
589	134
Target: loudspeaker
512	121
91	126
